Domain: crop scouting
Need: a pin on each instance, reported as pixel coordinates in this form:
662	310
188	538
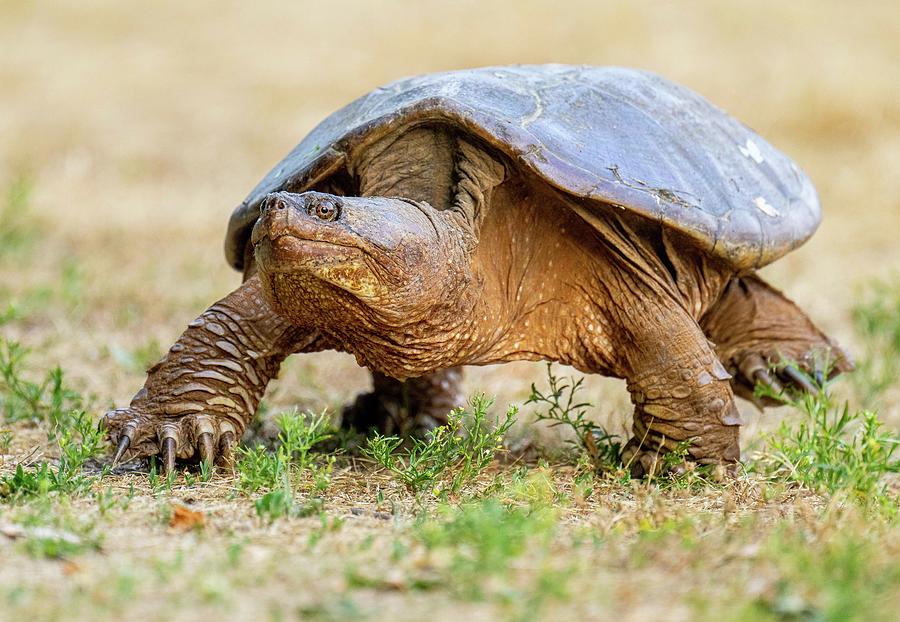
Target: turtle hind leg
406	407
762	337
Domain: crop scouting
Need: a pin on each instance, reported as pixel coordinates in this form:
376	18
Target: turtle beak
297	232
278	216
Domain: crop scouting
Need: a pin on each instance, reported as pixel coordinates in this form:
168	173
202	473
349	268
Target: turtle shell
607	135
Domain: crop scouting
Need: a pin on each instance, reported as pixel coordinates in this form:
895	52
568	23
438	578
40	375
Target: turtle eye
326	209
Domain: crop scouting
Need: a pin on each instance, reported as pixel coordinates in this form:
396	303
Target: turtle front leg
198	399
762	337
681	392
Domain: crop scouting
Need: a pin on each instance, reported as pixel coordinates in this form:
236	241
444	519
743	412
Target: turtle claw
207	452
226	452
764	378
754	370
799	379
167	454
819	375
121	448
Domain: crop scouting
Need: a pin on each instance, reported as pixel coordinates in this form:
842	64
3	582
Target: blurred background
131	130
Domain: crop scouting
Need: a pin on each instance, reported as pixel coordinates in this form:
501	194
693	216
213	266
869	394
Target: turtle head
327	260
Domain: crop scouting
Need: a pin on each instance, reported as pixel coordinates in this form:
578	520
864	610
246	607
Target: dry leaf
184	518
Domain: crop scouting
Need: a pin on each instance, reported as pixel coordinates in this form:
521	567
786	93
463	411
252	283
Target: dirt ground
132	130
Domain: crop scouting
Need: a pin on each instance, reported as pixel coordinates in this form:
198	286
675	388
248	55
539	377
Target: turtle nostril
274	202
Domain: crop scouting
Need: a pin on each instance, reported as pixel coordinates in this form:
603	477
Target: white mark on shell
765	207
751	150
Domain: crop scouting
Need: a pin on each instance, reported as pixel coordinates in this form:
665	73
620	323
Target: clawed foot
413	407
808	375
381	413
642	462
138	434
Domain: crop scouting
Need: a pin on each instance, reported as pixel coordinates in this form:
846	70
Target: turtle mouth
289	252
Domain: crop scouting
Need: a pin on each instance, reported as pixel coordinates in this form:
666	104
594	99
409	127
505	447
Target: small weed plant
49	400
52	403
564	409
483	537
833	449
260	468
877	321
280	503
77	442
475	546
450	457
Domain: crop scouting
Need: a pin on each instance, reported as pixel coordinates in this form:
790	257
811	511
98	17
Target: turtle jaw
290	253
287	259
292	238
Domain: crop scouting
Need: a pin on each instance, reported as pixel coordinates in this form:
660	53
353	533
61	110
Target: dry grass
138	129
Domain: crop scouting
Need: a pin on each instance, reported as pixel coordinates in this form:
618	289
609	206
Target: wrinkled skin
449	256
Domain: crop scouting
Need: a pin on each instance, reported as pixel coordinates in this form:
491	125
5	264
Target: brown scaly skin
204	391
742	323
500	268
406	408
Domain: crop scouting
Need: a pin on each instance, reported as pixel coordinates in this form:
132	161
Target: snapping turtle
604	218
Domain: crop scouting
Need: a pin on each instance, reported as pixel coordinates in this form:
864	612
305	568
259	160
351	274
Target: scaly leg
416	405
755	328
199	398
680	390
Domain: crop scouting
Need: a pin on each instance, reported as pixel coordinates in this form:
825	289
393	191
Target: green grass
837	575
476	550
292	476
49	400
18	227
833	448
479	541
77	442
451	455
876	318
258	468
61	410
563	409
